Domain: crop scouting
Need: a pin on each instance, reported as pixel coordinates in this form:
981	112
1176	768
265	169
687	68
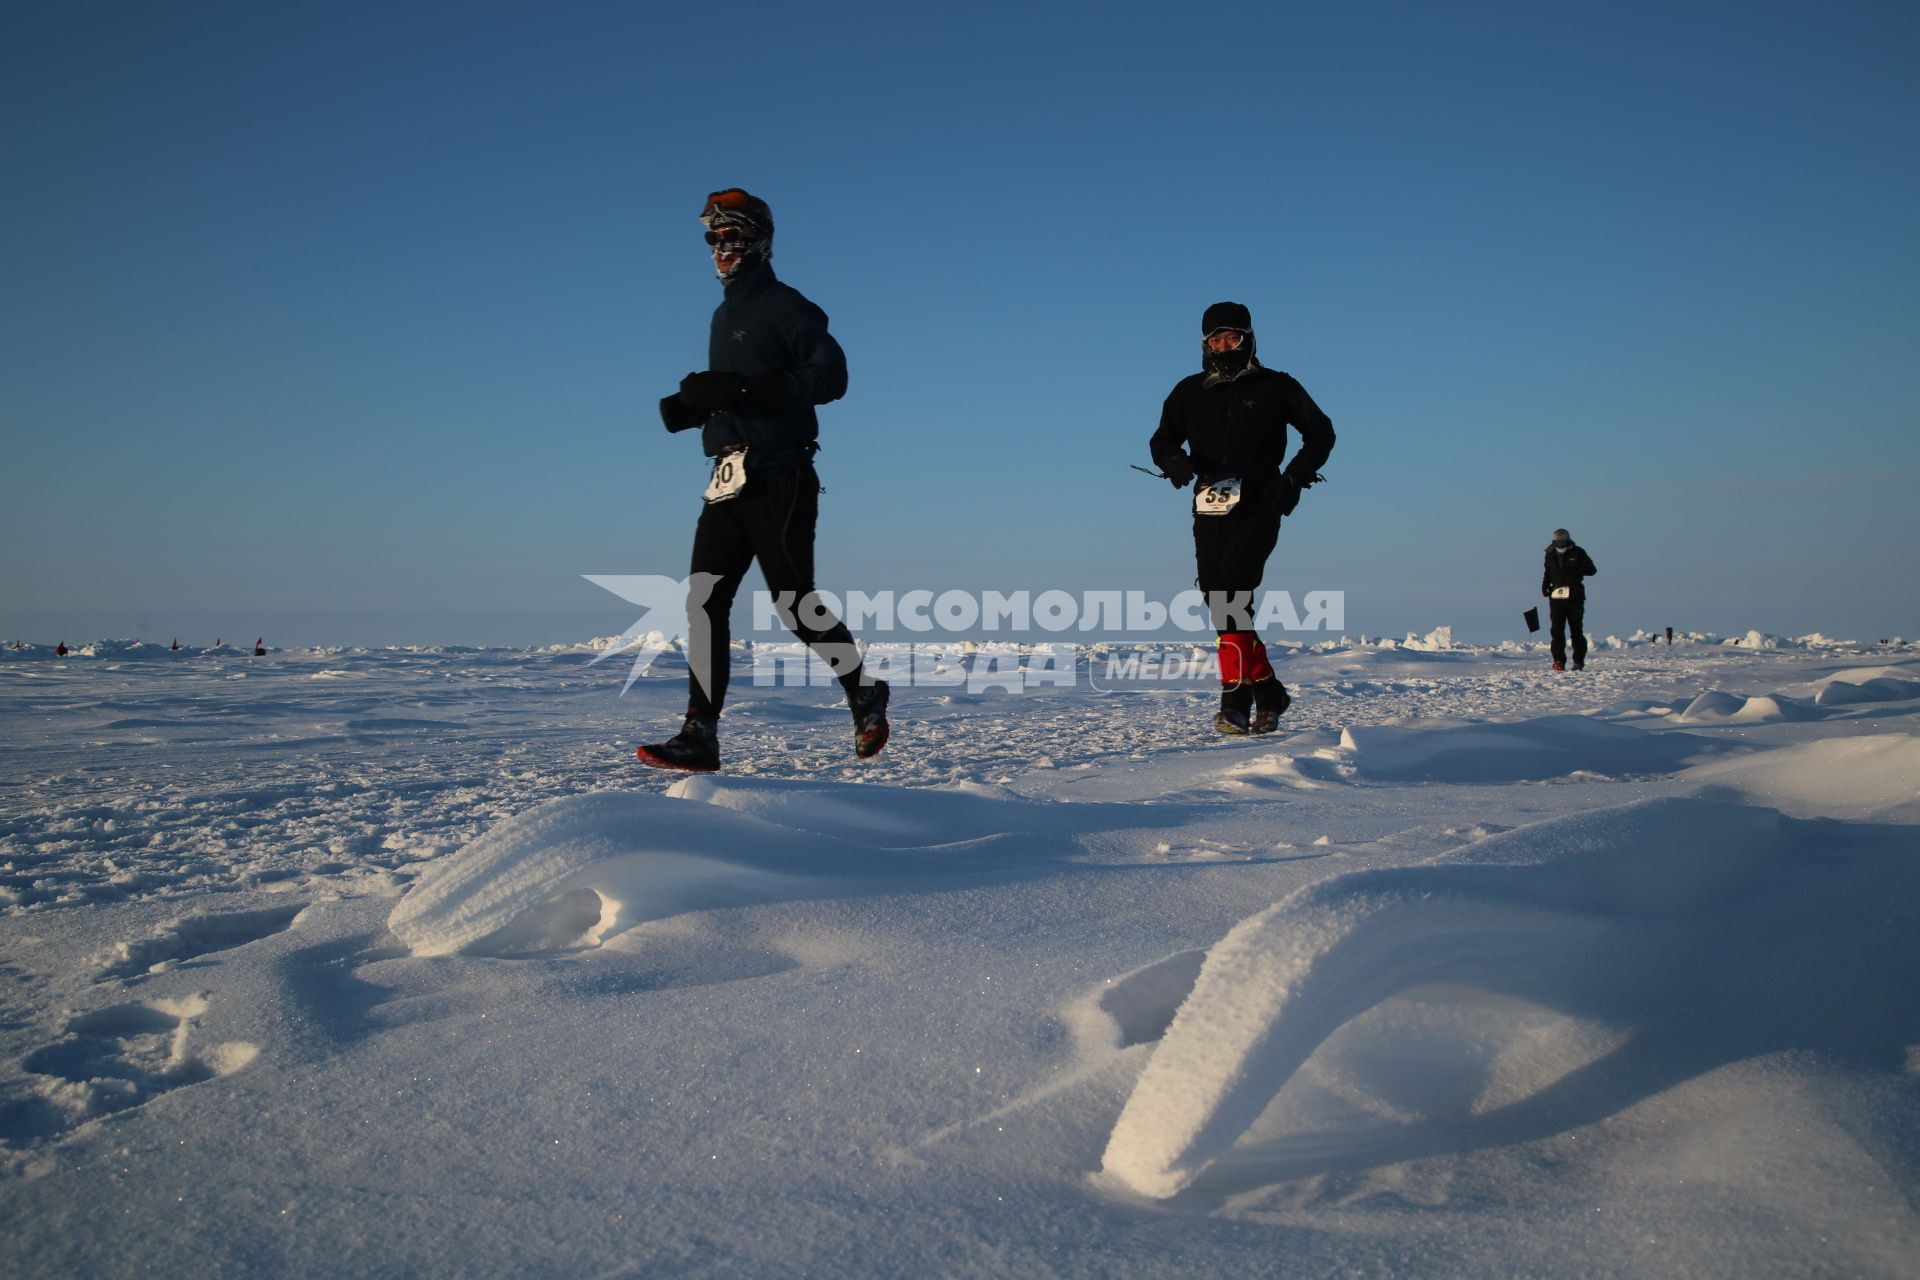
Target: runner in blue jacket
770	361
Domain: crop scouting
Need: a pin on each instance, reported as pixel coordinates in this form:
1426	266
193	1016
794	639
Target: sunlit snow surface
396	962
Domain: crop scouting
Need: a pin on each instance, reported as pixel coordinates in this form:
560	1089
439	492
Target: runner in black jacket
770	360
1566	565
1227	425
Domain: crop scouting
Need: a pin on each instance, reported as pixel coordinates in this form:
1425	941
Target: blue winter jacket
763	326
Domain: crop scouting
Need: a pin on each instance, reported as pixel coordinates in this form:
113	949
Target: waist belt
773	457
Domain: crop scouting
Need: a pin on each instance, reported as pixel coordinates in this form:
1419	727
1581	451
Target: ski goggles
729	235
732	198
1230	339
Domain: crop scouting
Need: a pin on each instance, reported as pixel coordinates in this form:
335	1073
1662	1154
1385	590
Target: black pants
1231	553
772	521
1569	613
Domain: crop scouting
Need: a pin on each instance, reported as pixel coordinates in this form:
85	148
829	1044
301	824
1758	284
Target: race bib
1217	497
1563	593
729	476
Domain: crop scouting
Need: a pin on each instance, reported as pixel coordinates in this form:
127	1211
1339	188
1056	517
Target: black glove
712	392
675	414
1283	495
1179	470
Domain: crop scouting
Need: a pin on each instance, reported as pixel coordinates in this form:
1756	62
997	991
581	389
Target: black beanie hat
1226	315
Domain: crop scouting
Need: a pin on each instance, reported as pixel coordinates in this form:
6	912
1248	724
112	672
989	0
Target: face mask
1230	363
744	256
740	228
736	240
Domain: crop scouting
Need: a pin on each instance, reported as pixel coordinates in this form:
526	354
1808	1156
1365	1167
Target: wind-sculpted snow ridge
1562	914
902	818
1715	706
1832	695
1867	684
582	868
585	867
1546	747
1868	777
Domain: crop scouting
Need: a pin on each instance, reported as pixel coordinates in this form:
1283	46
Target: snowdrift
578	870
902	818
1831	696
1546	747
583	868
1871	777
1577	927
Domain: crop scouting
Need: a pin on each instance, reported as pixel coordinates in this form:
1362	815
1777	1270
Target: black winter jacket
1239	427
767	331
1566	569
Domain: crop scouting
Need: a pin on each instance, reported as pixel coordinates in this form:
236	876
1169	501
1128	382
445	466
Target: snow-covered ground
396	963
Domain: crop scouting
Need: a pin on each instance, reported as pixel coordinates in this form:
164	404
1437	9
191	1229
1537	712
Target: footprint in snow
114	1059
195	936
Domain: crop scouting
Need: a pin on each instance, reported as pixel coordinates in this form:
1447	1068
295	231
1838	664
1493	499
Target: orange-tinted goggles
731	198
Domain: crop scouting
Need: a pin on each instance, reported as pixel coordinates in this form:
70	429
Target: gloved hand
1283	495
713	392
1179	470
675	414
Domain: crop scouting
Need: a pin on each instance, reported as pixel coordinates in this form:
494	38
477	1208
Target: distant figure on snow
1233	415
1560	582
260	647
60	650
176	644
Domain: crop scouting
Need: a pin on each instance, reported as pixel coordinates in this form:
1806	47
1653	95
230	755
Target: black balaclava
747	216
1224	366
1560	540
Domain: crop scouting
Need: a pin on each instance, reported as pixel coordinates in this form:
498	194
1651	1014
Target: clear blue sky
344	323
